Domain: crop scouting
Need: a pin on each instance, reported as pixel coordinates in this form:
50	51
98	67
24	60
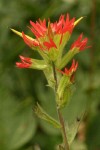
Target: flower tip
31	22
80	36
25	62
74	65
23	34
21	57
19	65
77	21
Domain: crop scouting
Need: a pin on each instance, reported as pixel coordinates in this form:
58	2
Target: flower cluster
46	34
50	40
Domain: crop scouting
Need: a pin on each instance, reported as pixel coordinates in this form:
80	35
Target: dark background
20	89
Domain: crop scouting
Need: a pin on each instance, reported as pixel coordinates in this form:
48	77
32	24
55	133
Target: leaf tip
78	20
16	32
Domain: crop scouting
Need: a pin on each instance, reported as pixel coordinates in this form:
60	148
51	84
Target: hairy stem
66	145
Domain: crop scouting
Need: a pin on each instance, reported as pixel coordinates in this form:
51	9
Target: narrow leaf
78	20
20	34
67	57
38	64
43	115
63	91
72	129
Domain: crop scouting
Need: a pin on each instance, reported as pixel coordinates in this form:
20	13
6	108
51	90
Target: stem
63	129
66	145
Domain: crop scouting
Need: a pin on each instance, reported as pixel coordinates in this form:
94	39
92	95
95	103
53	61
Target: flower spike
50	41
51	38
47	36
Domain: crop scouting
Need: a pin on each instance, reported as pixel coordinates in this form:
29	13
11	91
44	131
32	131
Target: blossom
39	28
63	25
50	35
71	70
80	44
25	62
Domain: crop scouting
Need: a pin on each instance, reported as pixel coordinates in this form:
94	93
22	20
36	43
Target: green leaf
79	145
20	34
72	128
78	20
66	96
71	131
46	97
67	57
43	115
66	38
38	64
63	91
49	76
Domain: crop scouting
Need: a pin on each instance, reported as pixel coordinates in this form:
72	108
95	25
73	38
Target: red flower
71	70
39	28
45	34
26	62
63	25
79	43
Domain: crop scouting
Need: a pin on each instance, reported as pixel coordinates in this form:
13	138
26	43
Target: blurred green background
20	89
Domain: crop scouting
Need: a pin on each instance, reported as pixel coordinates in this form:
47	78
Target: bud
64	91
27	62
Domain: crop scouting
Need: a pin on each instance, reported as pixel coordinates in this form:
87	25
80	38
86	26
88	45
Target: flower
51	35
80	44
71	70
39	28
26	62
63	25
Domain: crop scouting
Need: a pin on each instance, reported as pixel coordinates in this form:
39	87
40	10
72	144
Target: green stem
66	145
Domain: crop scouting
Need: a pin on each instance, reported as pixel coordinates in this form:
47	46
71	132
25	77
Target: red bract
71	70
79	43
45	34
39	28
30	42
50	44
63	25
26	62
